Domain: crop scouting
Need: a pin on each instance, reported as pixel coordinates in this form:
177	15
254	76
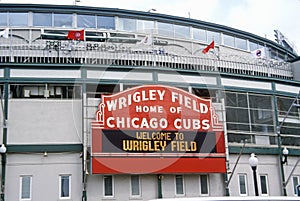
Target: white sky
259	17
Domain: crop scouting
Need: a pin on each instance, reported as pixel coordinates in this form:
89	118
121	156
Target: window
108	186
145	26
25	187
295	183
199	34
3	19
18	19
63	20
228	40
241	43
86	21
135	185
182	31
105	22
261	113
290	128
49	91
243	184
165	29
42	19
252	113
127	24
284	104
264	185
211	35
204	190
179	186
64	186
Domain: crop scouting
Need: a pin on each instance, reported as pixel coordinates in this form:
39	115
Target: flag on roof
76	35
147	40
4	33
210	46
259	53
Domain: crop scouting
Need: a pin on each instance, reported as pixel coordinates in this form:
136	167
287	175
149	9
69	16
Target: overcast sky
259	17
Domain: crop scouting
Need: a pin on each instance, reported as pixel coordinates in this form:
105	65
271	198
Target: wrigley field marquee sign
156	129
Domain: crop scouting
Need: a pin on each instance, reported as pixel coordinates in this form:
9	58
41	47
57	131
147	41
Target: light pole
253	162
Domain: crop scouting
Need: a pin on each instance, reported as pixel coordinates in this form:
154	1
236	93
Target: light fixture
45	154
76	1
253	162
285	153
296	105
152	9
2	149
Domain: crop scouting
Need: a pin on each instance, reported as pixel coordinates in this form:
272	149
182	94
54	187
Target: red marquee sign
156	129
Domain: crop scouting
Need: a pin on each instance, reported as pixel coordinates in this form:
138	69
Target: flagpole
152	48
85	49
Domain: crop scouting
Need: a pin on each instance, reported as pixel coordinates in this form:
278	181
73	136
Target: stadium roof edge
144	15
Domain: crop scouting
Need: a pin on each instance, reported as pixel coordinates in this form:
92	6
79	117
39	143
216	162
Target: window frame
112	186
21	187
60	186
42	13
266	183
57	22
182	182
298	183
246	186
132	185
207	184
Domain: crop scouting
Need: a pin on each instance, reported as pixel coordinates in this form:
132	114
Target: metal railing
70	52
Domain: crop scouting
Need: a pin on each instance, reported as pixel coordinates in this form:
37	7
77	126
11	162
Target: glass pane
127	24
295	184
263	184
179	184
242	180
238	127
292	141
239	138
253	46
262	128
25	191
18	19
65	186
284	104
105	22
228	40
108	188
261	102
204	184
199	34
63	20
135	185
262	116
42	19
237	115
86	21
236	100
165	29
145	26
182	31
241	43
211	35
3	19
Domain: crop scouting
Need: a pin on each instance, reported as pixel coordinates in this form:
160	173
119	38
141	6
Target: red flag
76	35
210	46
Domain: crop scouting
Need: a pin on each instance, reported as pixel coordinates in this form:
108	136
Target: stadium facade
112	104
